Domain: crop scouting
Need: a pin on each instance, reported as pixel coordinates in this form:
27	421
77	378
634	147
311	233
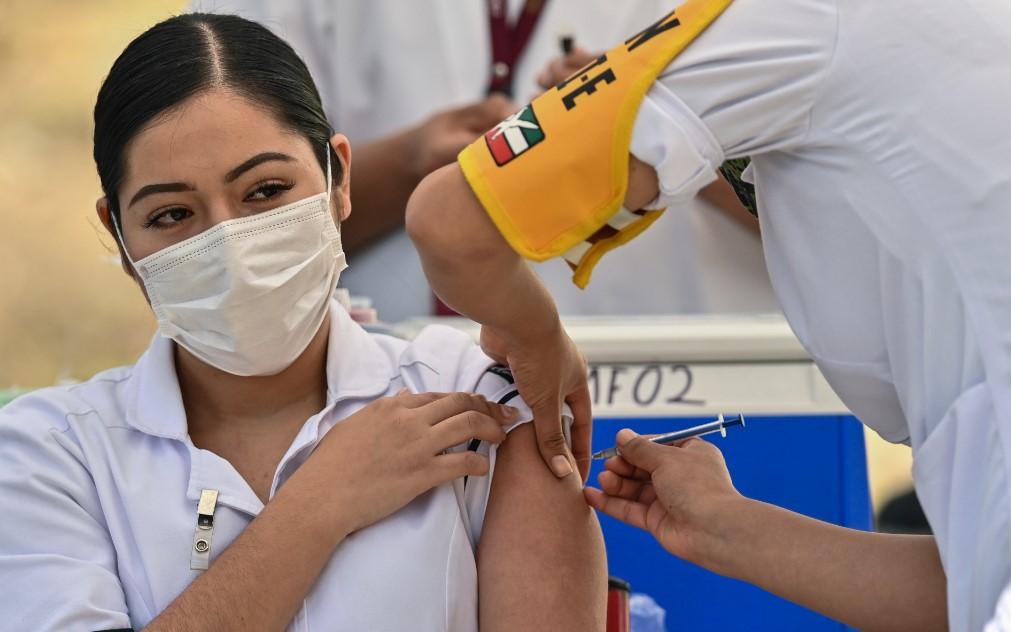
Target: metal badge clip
200	556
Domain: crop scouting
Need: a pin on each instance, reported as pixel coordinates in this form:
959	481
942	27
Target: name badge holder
200	556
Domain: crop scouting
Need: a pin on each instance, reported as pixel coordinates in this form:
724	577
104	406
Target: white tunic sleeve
496	384
1001	621
746	85
57	563
442	359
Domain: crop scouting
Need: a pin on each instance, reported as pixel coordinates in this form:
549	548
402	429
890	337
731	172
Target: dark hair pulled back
188	54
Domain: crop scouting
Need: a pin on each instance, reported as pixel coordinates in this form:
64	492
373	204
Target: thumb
494	345
495	108
551	440
639	451
455	140
582	428
580	57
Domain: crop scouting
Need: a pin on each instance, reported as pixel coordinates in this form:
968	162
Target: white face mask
248	294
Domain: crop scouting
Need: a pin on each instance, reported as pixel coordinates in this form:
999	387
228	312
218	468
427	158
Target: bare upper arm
446	220
643	186
541	562
443	213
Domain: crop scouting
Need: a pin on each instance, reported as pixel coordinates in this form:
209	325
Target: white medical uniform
1001	621
882	161
99	484
384	65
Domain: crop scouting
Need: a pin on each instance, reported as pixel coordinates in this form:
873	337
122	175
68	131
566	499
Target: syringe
720	426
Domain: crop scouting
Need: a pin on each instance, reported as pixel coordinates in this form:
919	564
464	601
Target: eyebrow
176	187
258	159
165	187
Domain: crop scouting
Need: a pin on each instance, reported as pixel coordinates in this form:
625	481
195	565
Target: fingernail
402	391
625	435
561	466
511	412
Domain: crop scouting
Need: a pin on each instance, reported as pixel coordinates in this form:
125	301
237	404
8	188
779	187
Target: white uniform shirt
99	486
1001	621
882	161
384	65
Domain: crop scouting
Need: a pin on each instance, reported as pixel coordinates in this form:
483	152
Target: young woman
267	463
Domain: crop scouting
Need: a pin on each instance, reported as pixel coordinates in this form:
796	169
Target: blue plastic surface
815	465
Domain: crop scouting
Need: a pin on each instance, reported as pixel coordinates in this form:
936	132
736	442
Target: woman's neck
214	397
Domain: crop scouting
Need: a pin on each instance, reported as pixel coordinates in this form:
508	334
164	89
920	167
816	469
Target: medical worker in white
408	82
882	162
267	464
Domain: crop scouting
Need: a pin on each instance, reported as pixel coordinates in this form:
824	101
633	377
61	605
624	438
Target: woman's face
216	156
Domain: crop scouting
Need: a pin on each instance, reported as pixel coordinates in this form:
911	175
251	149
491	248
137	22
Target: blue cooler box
800	448
815	465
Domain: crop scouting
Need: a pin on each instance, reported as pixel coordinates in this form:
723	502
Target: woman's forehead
208	133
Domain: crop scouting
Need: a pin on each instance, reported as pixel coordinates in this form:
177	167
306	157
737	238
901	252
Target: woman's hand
561	68
681	494
548	368
684	497
438	140
385	455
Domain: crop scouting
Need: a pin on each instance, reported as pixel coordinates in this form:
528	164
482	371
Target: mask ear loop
122	242
329	186
329	174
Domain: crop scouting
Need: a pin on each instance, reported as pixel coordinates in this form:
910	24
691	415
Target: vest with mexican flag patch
514	136
553	176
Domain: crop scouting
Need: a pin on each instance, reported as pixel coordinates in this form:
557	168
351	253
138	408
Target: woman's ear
342	189
105	216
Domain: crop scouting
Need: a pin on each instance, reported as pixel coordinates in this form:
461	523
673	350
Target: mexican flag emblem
513	136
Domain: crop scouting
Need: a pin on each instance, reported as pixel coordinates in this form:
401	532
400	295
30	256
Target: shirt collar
356	368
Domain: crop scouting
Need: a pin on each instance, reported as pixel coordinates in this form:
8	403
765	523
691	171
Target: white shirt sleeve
1001	621
57	562
496	384
747	85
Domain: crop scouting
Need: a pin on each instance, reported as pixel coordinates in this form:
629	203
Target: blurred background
67	310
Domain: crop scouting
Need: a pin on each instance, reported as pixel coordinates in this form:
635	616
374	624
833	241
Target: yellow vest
553	176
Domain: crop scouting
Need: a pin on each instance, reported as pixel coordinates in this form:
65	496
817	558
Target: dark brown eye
270	190
168	217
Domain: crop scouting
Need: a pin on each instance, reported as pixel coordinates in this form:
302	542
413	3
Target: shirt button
500	69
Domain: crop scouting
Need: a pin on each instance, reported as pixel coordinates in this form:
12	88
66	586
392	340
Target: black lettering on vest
583	72
589	86
665	23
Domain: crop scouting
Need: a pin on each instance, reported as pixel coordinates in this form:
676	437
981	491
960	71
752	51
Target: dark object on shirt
732	170
903	514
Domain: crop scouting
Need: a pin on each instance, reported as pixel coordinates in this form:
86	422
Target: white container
690	365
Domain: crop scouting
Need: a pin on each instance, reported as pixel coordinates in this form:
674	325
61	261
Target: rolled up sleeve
746	86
